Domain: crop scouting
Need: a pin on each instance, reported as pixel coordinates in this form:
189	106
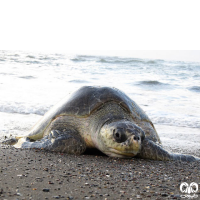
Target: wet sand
30	174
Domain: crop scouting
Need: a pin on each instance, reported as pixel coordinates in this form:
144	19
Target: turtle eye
119	135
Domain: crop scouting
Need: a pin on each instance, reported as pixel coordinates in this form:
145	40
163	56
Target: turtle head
120	139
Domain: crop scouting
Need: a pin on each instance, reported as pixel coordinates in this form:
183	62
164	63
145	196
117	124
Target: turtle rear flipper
11	141
58	141
151	150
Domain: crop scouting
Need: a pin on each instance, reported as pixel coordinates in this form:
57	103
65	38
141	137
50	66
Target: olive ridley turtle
98	117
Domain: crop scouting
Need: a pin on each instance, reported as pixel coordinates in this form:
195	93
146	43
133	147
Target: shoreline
33	174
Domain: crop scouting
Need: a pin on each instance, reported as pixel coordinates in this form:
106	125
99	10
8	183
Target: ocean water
168	91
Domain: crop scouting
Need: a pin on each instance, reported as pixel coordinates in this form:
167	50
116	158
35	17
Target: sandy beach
31	174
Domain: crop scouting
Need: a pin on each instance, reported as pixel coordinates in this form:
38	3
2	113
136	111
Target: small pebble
1	190
46	190
56	197
19	194
164	195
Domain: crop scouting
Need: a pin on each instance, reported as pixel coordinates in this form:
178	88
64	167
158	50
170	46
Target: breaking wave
22	108
195	88
114	60
180	122
151	83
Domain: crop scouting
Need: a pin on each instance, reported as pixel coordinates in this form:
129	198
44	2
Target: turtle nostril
136	138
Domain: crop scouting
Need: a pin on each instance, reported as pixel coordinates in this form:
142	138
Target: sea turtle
98	117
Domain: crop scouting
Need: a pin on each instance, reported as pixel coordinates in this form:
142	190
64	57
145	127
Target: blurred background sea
168	91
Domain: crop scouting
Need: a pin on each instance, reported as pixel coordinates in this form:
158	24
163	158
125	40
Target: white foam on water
14	124
180	139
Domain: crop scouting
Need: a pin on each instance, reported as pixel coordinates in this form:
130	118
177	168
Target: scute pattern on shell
88	99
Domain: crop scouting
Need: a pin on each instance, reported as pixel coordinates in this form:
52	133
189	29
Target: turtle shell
83	103
87	99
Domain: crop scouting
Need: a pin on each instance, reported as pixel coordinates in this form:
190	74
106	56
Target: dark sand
30	174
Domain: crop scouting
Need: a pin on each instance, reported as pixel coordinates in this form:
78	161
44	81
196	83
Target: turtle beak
133	143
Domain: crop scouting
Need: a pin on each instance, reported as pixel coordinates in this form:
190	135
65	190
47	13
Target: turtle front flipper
59	141
151	150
